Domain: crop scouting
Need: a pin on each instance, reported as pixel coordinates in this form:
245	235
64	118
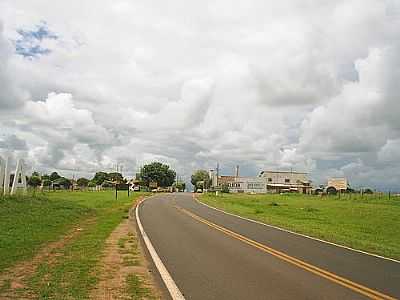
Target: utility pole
217	173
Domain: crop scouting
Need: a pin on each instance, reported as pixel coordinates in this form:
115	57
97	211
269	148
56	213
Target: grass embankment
370	223
29	223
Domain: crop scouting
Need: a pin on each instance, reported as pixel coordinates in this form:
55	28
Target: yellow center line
373	294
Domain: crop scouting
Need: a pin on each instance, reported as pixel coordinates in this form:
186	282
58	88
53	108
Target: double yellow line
294	261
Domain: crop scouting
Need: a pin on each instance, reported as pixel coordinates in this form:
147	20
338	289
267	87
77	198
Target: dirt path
12	280
124	270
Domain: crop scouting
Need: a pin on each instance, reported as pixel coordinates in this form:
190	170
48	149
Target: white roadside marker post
2	175
19	178
6	182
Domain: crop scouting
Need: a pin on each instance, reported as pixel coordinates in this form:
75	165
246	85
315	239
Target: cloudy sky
307	85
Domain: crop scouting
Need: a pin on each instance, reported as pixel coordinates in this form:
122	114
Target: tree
331	190
36	174
200	178
100	177
54	176
157	172
34	181
91	184
82	182
368	191
65	182
225	188
181	186
115	177
46	182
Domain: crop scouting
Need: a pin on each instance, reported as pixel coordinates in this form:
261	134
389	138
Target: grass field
370	223
31	222
28	222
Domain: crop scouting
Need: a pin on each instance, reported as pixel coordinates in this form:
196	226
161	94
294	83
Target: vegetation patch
121	262
75	272
69	270
29	222
136	288
366	222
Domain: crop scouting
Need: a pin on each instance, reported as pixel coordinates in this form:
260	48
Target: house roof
282	185
285	172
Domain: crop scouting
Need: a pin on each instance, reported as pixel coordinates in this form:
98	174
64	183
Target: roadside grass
128	248
75	272
29	222
370	223
136	288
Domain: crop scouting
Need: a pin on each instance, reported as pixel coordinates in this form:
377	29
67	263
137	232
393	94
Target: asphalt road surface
212	255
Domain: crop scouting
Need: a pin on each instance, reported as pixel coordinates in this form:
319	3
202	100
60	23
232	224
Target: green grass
74	271
28	222
136	288
370	223
75	274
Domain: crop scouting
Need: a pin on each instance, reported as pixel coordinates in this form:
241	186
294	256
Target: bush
368	191
225	188
331	190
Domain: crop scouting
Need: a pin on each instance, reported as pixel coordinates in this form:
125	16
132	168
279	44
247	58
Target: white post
7	176
19	171
2	175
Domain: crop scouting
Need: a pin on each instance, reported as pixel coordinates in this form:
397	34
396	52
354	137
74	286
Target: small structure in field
336	185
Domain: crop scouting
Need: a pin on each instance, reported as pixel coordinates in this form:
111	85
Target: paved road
212	255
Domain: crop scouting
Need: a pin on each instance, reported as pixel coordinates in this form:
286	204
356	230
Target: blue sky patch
30	42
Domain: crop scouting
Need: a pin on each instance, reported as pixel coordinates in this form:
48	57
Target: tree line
153	174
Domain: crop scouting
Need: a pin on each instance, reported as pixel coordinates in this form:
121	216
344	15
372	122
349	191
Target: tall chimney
237	171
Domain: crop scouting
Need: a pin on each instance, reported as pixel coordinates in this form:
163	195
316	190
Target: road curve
212	255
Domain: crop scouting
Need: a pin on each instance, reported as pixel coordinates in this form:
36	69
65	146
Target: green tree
181	186
91	184
157	172
65	182
83	182
35	174
54	176
115	177
46	182
225	188
34	181
100	177
200	178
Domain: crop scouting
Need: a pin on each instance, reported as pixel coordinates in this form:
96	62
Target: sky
268	85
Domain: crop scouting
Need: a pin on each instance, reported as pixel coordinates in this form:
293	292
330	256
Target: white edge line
166	277
299	234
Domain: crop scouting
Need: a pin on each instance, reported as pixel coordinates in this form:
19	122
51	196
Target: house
286	181
266	182
236	183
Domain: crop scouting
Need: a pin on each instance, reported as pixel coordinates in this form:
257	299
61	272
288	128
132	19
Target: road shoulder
125	271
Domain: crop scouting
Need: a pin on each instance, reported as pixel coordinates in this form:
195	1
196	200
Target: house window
269	179
287	180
